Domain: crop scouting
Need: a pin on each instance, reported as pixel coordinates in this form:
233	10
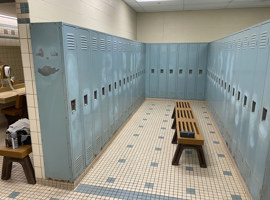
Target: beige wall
196	26
109	16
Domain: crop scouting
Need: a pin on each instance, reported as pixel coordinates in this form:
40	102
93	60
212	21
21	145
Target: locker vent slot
103	91
102	44
239	44
245	100
124	81
233	91
71	45
114	46
245	43
78	164
136	75
200	71
253	106
190	71
73	105
225	86
119	83
253	41
219	81
120	46
233	44
162	71
238	96
94	43
95	94
171	71
128	79
152	71
229	88
85	98
115	86
109	45
229	44
89	153
98	141
84	42
263	40
264	114
110	88
222	83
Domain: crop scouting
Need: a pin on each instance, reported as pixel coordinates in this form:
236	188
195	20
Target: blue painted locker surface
83	43
182	71
162	70
171	72
75	67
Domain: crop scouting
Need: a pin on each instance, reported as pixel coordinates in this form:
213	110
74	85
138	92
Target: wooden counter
7	95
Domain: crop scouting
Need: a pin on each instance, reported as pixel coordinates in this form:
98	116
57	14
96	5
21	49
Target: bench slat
21	152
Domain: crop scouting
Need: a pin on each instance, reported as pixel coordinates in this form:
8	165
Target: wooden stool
20	155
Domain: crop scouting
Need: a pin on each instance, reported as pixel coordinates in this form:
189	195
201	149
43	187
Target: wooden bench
20	155
185	121
180	104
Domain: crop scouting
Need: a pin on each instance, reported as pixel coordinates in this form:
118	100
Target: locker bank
102	80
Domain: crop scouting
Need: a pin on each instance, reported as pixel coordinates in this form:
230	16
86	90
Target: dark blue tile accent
7	25
144	119
212	132
120	194
122	160
13	195
153	104
135	134
54	199
227	173
221	155
189	168
129	146
140	126
5	31
163	128
206	117
236	197
148	113
153	164
216	142
165	120
24	8
158	149
110	180
190	191
8	37
209	124
160	137
188	152
150	108
149	185
12	32
23	20
166	115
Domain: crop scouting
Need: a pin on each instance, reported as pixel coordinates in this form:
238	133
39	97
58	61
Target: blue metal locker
191	74
181	71
154	73
171	71
115	82
163	68
73	96
84	70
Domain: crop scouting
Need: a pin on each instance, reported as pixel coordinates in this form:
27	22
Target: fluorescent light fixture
151	0
9	17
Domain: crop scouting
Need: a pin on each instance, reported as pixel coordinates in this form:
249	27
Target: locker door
172	73
123	78
103	89
96	87
163	68
115	82
119	81
154	73
201	70
191	74
181	71
83	38
74	99
109	84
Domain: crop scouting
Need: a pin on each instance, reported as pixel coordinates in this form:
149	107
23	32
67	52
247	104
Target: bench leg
174	140
6	168
201	156
173	124
28	170
173	114
177	154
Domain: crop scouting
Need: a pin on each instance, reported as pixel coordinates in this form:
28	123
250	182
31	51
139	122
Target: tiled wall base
72	185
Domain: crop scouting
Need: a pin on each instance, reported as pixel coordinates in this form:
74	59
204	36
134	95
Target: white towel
22	124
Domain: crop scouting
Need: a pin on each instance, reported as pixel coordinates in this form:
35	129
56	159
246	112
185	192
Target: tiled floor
137	165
